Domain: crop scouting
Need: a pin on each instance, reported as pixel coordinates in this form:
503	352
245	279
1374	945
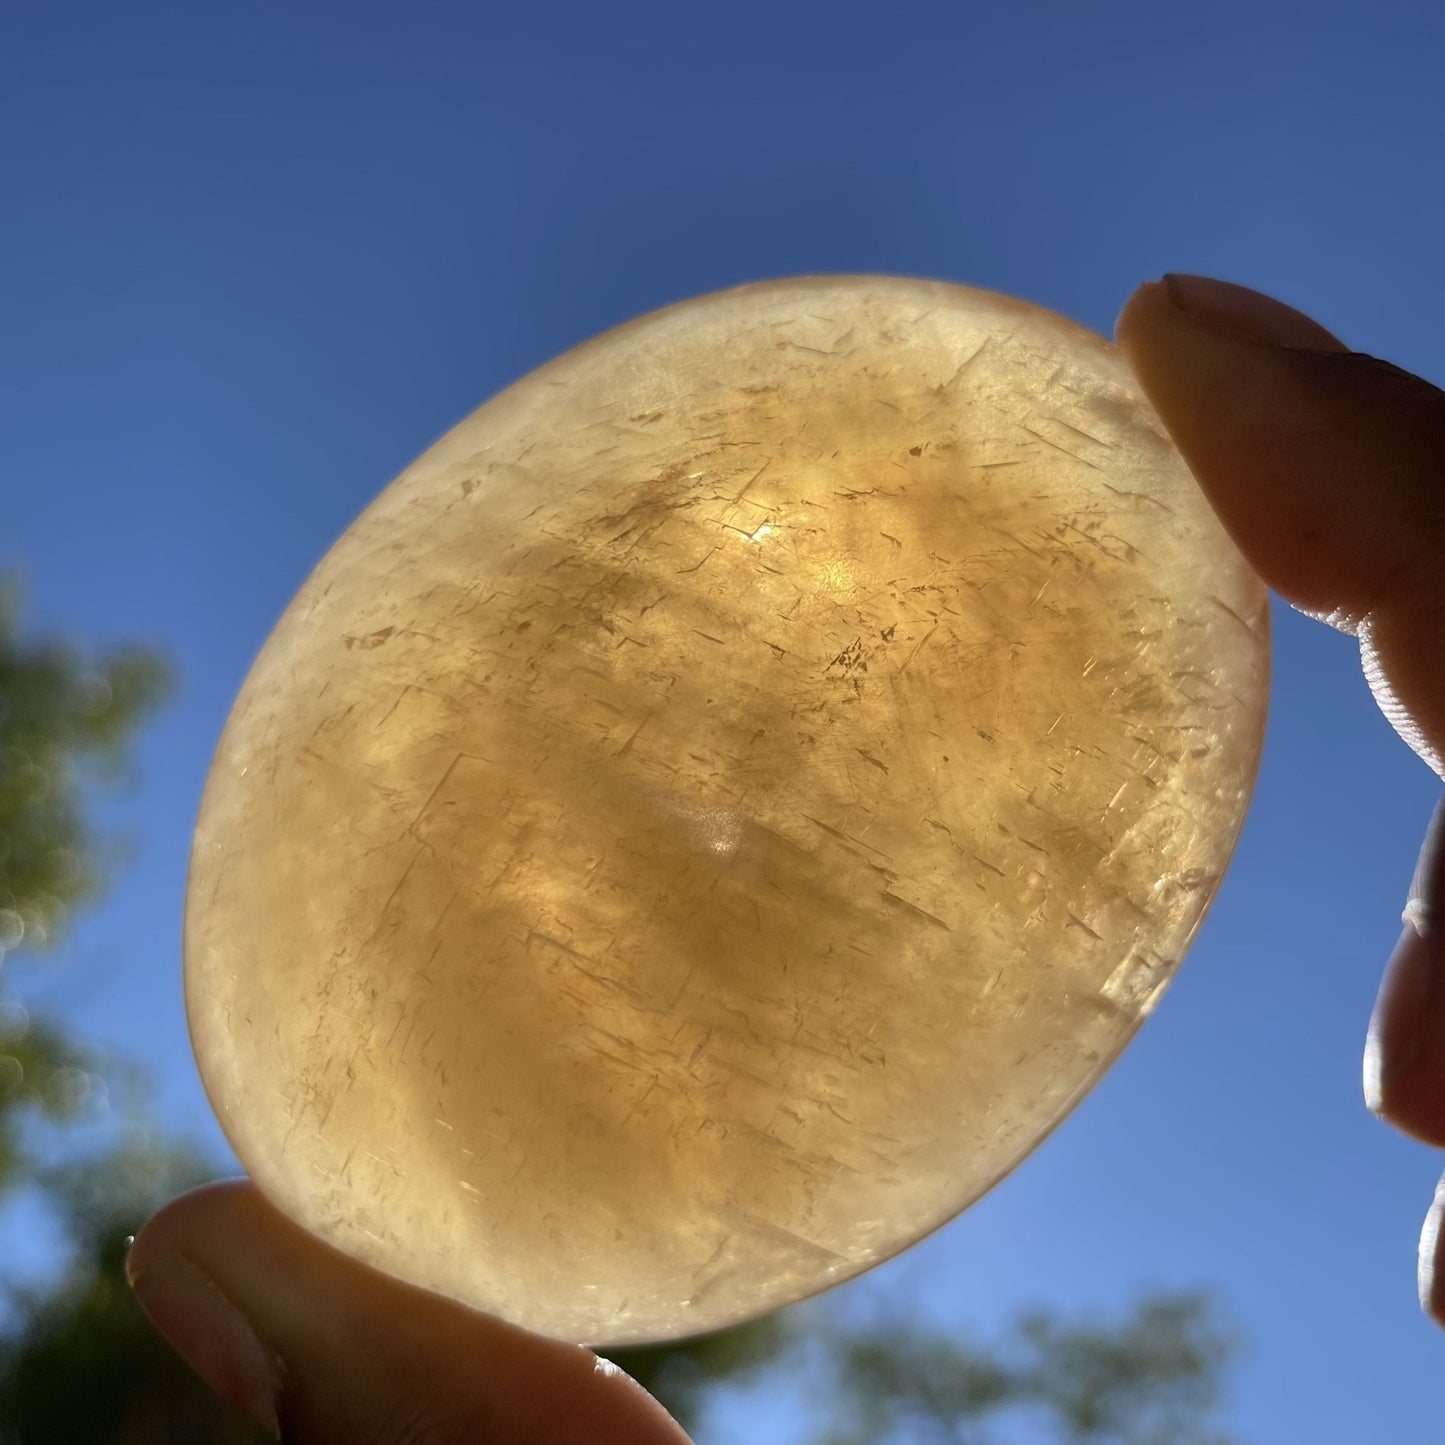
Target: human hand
1328	468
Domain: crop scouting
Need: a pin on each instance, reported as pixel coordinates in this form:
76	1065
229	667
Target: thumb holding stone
322	1350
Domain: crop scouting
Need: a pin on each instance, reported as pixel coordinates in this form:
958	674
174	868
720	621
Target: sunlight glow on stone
722	805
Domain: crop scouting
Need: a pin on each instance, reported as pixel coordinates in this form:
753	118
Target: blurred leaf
42	1073
66	719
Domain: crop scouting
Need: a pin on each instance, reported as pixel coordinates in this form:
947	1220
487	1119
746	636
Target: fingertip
1143	309
1404	1064
1323	463
1180	300
166	1233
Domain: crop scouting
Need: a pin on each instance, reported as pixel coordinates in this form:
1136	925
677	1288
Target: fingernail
211	1336
1248	315
1399	1030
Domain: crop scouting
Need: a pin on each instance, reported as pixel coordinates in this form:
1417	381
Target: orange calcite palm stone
722	805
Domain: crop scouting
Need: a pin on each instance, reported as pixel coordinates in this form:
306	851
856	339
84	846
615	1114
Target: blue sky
254	258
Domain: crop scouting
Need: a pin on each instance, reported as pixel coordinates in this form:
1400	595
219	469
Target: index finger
1327	467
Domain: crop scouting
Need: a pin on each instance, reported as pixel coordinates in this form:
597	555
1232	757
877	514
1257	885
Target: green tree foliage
66	719
1152	1376
66	723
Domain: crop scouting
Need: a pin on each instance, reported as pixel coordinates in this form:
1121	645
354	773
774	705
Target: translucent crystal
722	805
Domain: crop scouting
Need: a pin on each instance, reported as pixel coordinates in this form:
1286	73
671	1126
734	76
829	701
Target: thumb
1327	467
324	1350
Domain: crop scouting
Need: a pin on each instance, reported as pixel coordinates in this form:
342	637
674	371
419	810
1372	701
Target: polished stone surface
722	805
